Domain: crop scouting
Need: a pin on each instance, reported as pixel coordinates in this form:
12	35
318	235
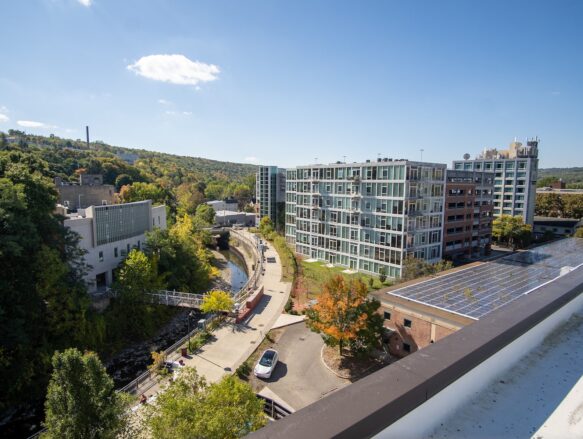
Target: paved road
300	378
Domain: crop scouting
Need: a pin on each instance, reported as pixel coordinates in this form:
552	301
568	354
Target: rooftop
540	397
478	290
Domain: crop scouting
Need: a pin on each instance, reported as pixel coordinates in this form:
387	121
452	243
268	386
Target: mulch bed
349	366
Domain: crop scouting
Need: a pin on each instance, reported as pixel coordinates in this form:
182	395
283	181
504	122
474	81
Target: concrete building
270	193
559	227
228	205
366	216
467	226
516	173
90	191
109	232
229	218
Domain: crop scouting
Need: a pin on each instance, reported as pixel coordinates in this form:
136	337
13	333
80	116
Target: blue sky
284	83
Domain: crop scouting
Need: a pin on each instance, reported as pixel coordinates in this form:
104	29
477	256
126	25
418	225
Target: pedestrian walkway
232	344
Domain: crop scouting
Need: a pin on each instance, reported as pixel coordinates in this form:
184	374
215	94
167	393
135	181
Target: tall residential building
108	233
516	173
467	226
270	189
366	216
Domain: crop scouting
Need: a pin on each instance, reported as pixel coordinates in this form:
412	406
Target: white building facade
366	216
515	176
109	233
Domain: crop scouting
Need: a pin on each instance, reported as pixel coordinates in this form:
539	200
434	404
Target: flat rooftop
476	291
539	397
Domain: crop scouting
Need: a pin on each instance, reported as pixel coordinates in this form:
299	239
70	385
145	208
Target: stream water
134	360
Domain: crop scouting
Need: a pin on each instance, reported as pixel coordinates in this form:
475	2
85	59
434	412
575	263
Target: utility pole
421	150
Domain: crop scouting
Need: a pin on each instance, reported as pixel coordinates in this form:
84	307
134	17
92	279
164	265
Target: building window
387	315
407	323
406	347
101	256
115	252
128	247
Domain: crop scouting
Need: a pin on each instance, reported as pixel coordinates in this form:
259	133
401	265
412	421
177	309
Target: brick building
467	226
412	325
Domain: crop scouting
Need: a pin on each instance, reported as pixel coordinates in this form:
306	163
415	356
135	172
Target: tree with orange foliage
342	313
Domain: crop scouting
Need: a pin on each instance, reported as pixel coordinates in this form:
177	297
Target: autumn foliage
341	312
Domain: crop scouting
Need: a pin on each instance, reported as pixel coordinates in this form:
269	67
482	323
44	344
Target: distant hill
65	156
573	177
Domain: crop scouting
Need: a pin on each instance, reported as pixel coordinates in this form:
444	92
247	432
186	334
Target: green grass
316	274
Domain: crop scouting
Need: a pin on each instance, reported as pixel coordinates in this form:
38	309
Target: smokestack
87	133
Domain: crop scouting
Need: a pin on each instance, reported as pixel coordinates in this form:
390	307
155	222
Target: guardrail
273	409
147	380
251	283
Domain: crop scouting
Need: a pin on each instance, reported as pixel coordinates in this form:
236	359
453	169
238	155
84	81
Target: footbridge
190	300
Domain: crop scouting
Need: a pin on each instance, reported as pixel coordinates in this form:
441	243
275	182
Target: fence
273	409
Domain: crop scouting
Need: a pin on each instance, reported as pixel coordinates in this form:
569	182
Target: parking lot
299	378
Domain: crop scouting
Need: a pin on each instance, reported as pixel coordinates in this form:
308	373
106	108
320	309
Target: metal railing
273	409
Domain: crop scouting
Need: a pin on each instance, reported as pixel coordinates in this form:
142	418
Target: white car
266	364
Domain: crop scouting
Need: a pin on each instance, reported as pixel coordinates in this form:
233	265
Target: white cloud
33	124
4	118
164	102
175	69
85	3
187	113
250	159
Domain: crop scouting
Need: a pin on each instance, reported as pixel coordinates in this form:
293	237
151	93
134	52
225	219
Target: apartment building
366	216
467	226
515	175
270	191
108	233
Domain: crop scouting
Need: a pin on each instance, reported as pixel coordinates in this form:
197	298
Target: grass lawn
314	275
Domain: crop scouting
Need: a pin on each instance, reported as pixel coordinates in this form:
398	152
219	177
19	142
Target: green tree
137	277
205	215
81	399
189	198
122	180
511	230
579	233
192	408
216	302
546	181
43	300
370	336
142	191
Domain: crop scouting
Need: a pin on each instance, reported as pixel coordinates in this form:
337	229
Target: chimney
87	133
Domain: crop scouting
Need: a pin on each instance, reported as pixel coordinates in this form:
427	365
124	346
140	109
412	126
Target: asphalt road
300	378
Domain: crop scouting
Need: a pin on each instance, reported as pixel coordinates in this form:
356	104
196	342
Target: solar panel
479	290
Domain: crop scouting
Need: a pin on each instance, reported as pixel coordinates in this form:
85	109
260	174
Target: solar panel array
479	290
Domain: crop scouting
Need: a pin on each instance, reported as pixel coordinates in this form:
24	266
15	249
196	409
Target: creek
131	362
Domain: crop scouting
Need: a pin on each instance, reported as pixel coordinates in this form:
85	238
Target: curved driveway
300	378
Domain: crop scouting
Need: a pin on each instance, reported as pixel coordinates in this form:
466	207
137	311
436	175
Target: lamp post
188	317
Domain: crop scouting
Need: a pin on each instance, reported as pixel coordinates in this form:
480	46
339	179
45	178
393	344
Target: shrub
243	370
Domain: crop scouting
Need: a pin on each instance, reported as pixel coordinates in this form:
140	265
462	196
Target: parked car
266	364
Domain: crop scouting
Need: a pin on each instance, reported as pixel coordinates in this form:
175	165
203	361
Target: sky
296	82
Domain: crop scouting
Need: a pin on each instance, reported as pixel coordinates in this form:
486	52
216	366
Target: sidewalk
232	344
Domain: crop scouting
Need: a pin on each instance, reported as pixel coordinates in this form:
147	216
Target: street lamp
190	315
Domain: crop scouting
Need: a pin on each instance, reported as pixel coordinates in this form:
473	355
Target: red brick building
467	229
413	325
